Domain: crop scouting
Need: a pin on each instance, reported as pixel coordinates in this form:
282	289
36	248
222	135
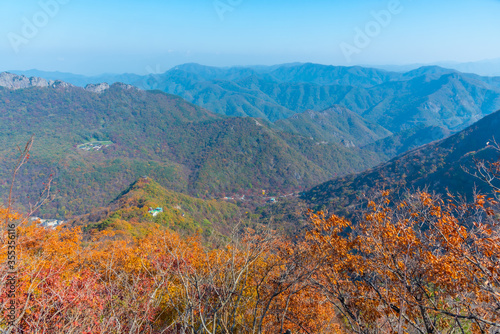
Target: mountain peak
97	88
14	81
429	71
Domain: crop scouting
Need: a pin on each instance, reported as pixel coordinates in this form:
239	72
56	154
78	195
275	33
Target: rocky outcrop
101	87
59	84
14	81
348	143
97	88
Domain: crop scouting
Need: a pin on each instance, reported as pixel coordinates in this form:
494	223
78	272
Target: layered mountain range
239	130
96	141
428	96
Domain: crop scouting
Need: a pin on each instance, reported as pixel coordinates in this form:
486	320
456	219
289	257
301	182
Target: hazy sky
111	36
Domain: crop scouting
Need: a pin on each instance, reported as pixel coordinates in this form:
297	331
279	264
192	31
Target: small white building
48	223
155	212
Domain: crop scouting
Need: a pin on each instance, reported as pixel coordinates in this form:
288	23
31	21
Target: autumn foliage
419	267
422	266
162	283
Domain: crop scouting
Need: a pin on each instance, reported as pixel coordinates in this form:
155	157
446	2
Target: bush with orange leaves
162	283
418	267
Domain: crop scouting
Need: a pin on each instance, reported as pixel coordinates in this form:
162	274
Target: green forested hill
184	147
130	212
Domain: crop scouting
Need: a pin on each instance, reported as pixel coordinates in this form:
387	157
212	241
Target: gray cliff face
97	88
101	87
59	84
13	81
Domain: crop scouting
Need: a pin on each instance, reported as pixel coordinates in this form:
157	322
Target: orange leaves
7	215
412	262
413	265
480	201
164	281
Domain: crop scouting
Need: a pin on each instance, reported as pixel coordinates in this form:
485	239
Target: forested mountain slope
439	165
97	141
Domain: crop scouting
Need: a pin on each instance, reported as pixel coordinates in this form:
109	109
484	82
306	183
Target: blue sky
110	36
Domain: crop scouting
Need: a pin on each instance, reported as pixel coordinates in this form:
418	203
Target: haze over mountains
398	101
488	67
314	123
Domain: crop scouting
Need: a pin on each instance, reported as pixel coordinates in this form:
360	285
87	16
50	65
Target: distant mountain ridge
13	81
490	67
396	103
387	110
427	96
